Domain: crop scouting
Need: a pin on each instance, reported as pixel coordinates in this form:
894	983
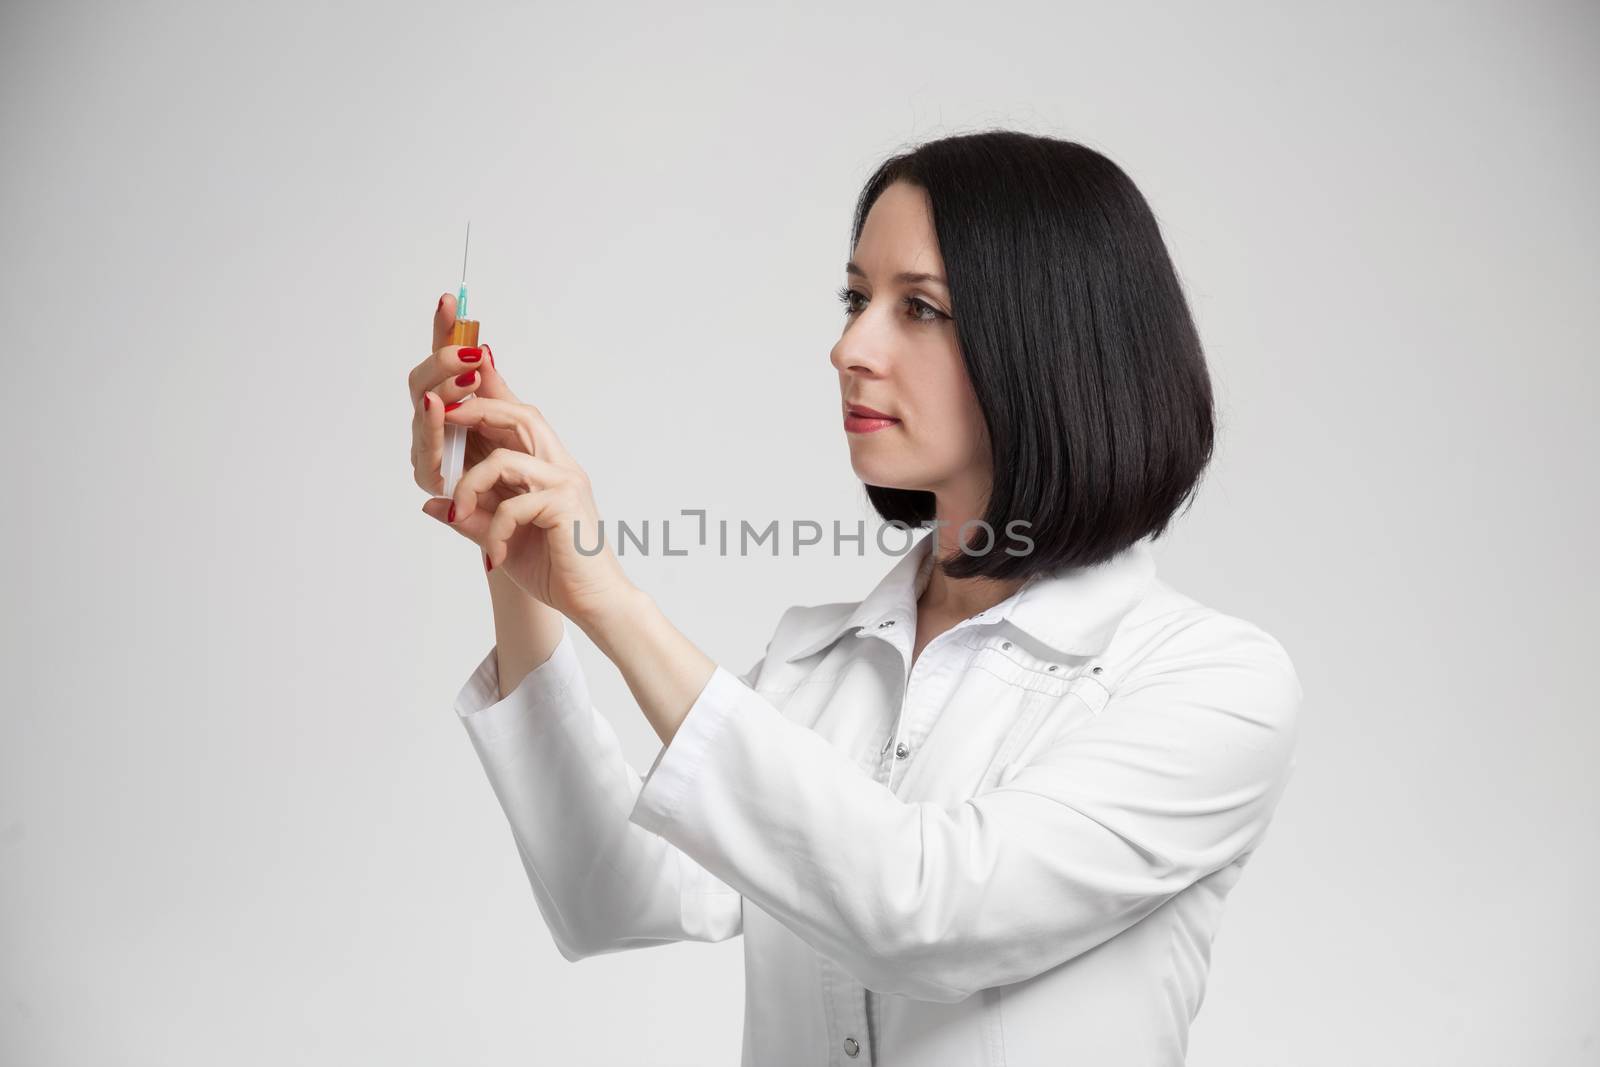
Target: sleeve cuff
546	686
680	762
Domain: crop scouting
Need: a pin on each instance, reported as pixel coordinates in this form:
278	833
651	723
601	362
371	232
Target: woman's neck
960	598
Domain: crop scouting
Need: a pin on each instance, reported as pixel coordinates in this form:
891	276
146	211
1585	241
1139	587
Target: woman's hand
521	498
446	377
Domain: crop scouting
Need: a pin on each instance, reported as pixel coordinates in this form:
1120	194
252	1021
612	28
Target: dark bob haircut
1077	340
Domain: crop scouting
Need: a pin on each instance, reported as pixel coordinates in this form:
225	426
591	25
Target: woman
1000	827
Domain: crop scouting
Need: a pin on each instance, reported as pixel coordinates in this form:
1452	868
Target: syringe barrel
454	460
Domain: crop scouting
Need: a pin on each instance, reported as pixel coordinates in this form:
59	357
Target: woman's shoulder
1170	631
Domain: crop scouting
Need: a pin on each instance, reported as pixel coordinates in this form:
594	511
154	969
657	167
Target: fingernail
489	350
454	404
467	378
441	303
487	566
470	355
452	516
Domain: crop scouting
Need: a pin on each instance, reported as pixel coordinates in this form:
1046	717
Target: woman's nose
850	355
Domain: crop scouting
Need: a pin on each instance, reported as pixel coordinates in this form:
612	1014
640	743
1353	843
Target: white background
239	822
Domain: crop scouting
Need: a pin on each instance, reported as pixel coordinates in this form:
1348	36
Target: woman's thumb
491	383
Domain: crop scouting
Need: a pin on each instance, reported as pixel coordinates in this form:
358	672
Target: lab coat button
901	751
851	1048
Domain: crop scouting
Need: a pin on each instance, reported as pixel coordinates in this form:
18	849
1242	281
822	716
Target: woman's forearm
664	670
526	631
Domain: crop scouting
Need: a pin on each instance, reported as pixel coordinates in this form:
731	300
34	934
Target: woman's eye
924	311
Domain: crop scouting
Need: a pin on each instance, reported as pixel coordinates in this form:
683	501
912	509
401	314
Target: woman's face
898	355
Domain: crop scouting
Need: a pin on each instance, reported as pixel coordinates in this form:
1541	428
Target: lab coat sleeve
602	883
1175	778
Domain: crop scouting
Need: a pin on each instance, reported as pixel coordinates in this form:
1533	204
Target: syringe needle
464	249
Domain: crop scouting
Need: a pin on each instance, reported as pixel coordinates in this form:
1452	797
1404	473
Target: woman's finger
427	443
444	322
524	420
492	530
540	508
438	370
459	386
473	528
491	383
444	364
424	375
505	424
519	471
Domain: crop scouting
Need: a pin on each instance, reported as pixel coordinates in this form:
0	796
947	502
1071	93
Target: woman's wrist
663	669
526	631
621	616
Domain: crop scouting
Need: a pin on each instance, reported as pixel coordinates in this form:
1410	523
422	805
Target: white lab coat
1014	852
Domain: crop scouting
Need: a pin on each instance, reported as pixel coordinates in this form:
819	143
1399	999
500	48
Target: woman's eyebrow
906	277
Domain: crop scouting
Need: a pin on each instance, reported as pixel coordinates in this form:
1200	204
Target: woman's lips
858	419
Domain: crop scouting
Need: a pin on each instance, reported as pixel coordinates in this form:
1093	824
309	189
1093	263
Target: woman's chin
882	475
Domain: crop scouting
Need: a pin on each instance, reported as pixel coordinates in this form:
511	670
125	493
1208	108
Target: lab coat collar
1076	611
1073	611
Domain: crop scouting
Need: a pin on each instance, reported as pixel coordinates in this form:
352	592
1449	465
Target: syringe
465	333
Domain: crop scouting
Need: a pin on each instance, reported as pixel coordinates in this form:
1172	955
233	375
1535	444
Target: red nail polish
470	355
452	516
489	350
453	405
487	566
466	379
426	403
